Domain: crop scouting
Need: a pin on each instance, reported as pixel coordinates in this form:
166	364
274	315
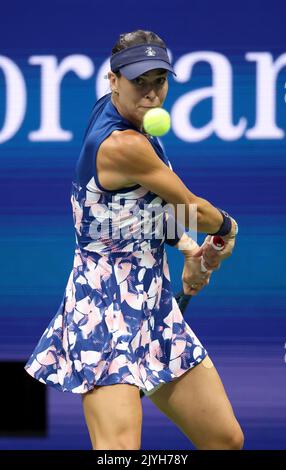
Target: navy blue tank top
116	221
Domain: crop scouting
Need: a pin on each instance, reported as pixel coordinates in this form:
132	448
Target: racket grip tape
182	300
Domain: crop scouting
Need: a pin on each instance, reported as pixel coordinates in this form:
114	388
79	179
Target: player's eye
138	81
141	82
161	80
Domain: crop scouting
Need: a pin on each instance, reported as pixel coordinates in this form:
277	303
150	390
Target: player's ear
112	80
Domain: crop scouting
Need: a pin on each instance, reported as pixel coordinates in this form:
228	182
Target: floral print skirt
118	322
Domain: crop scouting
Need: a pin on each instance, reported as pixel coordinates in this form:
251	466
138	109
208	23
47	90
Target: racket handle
182	300
217	244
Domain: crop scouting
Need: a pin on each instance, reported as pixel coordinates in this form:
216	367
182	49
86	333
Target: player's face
136	96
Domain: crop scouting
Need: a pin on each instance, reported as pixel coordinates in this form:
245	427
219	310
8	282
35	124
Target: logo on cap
150	51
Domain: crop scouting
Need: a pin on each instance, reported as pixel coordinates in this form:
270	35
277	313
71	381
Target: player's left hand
193	279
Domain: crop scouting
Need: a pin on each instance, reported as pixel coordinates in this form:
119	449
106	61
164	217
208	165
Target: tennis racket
217	243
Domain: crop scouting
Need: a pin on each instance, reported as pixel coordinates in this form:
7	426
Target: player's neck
119	109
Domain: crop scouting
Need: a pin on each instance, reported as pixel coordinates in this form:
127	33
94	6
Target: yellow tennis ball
157	122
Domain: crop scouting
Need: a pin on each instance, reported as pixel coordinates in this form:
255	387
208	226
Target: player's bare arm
130	154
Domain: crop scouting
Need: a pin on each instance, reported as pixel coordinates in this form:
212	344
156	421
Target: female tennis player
119	329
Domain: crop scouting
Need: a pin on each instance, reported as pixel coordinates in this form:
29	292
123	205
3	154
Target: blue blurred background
238	163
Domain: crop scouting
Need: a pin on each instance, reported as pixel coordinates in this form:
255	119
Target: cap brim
132	71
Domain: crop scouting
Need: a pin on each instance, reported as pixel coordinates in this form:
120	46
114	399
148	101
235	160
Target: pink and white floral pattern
118	321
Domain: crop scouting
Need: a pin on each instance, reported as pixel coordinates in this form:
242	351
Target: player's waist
120	249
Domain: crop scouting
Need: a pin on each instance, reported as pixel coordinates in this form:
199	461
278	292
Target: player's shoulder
126	147
126	140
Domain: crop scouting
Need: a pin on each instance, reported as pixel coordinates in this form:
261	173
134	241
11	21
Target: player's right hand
212	258
229	241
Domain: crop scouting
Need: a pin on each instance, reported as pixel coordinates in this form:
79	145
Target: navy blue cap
139	59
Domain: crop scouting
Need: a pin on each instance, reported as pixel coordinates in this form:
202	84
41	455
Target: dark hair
136	37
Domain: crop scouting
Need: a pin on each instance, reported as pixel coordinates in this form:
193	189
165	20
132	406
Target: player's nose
151	93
